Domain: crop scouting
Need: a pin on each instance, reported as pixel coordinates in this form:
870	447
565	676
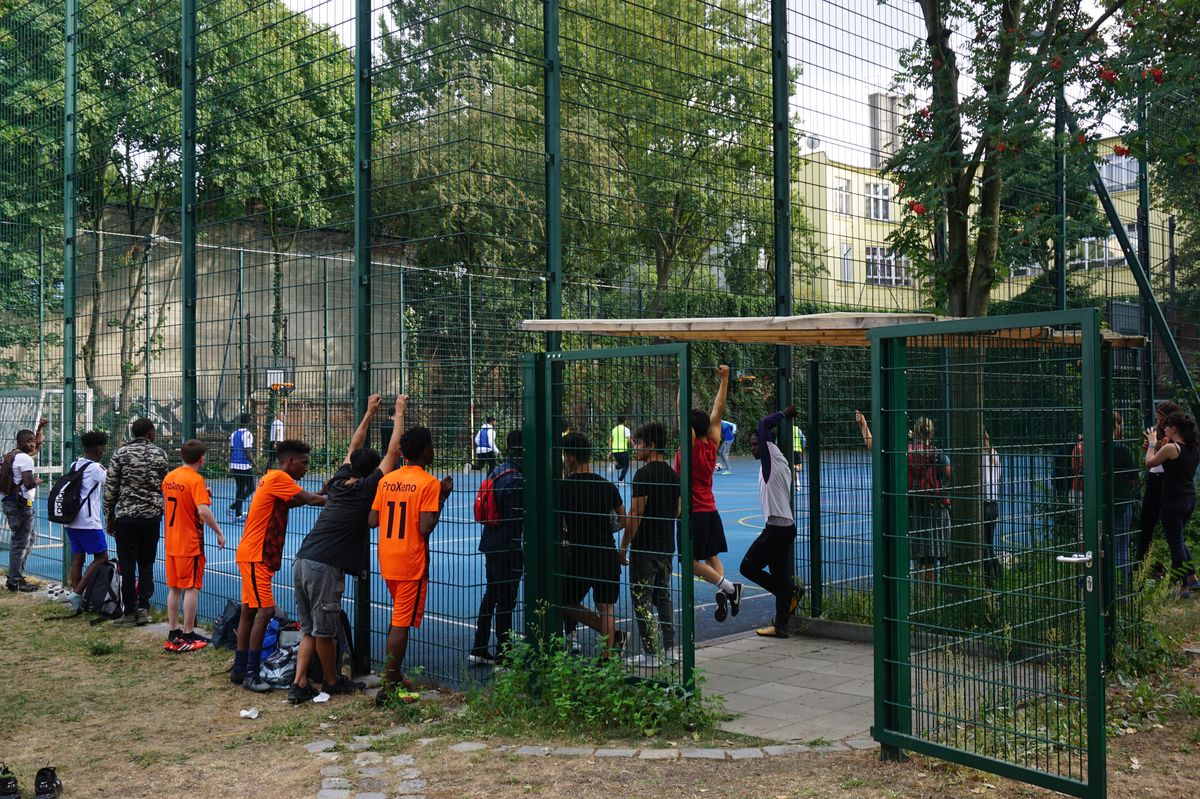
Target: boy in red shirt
187	507
407	506
260	554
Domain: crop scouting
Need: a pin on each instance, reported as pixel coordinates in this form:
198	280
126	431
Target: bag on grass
270	638
102	594
279	670
224	630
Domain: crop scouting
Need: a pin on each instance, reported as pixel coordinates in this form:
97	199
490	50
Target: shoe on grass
299	694
480	658
385	697
344	685
258	686
9	789
646	660
128	620
771	631
47	785
143	616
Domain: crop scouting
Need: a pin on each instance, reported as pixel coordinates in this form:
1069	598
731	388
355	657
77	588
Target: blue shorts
90	541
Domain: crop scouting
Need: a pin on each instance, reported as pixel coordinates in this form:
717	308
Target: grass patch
99	649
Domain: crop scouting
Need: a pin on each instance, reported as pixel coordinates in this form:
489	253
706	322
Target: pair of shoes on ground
728	604
653	660
138	618
179	641
775	631
46	784
23	586
298	694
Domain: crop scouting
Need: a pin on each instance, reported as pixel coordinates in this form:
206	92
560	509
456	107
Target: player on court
260	554
187	507
407	506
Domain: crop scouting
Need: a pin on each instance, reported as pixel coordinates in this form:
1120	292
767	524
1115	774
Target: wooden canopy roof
824	329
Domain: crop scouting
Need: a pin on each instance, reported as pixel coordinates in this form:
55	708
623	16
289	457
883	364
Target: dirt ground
120	718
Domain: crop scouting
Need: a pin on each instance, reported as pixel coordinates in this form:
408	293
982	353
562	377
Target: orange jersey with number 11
402	496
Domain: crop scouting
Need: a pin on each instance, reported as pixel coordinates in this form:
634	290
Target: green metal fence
991	615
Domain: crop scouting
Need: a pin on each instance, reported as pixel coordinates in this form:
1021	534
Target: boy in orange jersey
407	506
187	508
260	554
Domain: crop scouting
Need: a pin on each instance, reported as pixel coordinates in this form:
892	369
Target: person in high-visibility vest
619	440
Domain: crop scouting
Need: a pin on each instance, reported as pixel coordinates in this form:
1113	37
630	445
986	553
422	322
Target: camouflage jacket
134	487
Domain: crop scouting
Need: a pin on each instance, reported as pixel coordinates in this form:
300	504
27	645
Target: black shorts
596	569
708	535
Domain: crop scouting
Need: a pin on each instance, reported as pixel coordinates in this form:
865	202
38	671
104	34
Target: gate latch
1084	559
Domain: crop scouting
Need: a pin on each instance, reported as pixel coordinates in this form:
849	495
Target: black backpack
8	486
102	594
64	502
224	630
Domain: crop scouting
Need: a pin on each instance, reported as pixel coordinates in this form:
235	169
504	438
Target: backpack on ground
279	669
102	594
8	486
65	501
224	630
487	510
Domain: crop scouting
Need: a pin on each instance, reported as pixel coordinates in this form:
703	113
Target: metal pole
242	330
1060	199
362	285
146	303
1143	229
816	564
471	362
70	188
325	351
552	132
403	336
1171	256
42	306
188	223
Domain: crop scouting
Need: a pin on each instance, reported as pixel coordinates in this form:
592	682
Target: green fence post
536	429
362	283
1143	249
781	188
1108	548
816	564
687	592
187	267
41	237
552	132
1093	536
1060	199
70	188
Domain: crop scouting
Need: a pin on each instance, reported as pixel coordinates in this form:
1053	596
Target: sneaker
191	644
646	660
258	686
772	631
237	678
196	637
722	606
143	616
383	697
482	658
344	685
9	789
23	586
298	695
56	592
47	785
735	601
128	620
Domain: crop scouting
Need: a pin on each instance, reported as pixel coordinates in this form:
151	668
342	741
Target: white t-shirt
775	496
91	515
991	476
277	431
22	463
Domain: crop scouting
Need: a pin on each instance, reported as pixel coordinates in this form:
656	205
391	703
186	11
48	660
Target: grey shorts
318	589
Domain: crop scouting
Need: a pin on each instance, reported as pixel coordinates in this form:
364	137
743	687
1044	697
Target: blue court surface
457	569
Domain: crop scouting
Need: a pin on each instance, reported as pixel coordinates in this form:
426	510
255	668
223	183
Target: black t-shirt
587	501
1125	473
339	537
659	484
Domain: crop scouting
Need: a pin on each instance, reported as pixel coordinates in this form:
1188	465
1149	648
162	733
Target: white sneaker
480	660
646	660
671	655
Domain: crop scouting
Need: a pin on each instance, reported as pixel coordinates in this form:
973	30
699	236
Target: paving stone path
357	773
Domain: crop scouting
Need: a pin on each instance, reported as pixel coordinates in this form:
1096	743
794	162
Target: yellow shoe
771	632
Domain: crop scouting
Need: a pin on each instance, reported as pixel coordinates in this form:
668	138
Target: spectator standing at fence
406	509
486	451
241	465
274	439
1124	483
188	508
1178	455
708	533
928	505
864	430
1152	493
503	551
592	511
775	547
728	434
619	441
260	555
650	532
337	546
18	505
133	507
86	531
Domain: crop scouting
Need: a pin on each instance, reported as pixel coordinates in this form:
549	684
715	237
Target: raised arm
359	439
1158	454
38	438
765	426
429	519
718	408
392	456
864	429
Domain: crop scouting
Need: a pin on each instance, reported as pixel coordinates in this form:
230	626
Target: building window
885	269
1028	270
1119	172
847	261
841	196
1102	253
879	201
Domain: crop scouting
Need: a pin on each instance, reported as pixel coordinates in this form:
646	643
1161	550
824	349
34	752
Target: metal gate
988	513
577	406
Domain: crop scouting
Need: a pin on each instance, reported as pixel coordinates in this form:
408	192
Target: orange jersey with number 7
402	496
183	492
